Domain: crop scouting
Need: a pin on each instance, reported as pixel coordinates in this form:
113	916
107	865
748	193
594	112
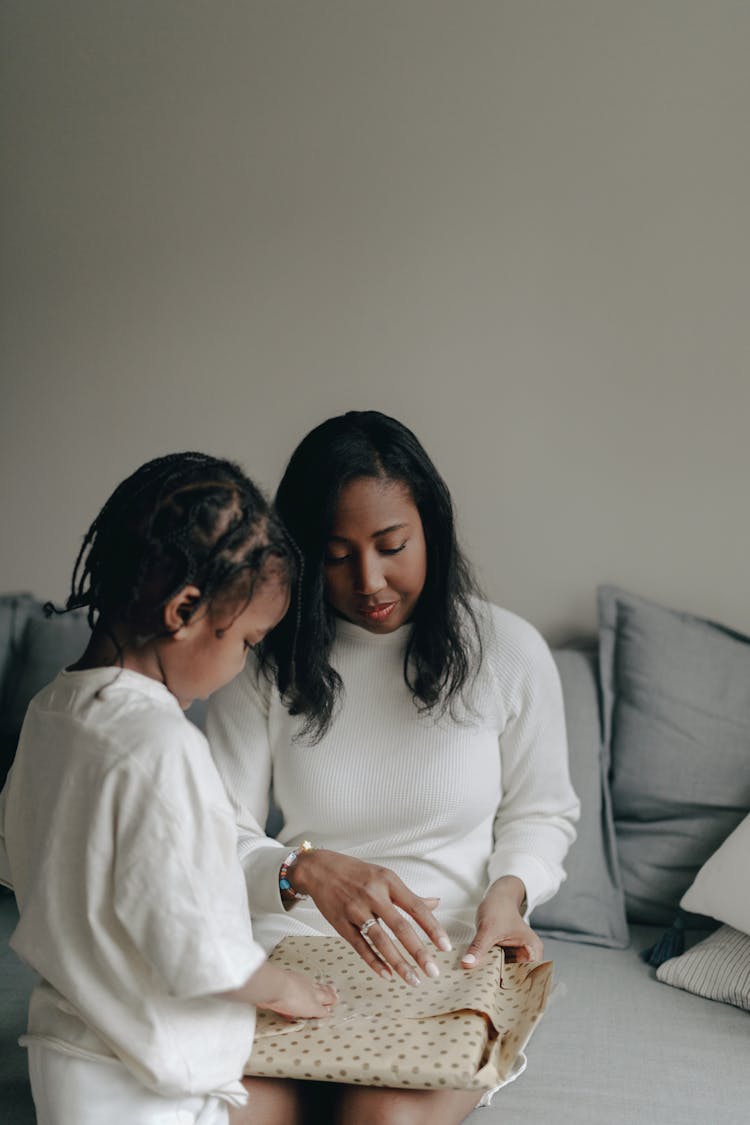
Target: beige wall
522	227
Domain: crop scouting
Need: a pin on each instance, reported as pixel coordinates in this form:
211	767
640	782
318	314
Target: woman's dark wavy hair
183	519
444	649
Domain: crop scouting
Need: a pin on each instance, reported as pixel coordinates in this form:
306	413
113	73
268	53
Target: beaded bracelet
285	887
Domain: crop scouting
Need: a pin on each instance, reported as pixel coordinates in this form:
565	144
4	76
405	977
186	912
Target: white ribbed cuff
535	876
261	863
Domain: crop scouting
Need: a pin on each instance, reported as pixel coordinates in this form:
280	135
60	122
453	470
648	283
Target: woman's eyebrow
385	531
375	534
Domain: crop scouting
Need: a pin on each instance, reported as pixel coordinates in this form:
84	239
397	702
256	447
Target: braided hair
186	518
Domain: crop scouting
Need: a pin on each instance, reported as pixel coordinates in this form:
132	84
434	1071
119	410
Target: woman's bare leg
280	1101
371	1106
272	1101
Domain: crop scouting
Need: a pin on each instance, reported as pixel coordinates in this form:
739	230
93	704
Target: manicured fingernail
445	944
384	974
468	959
431	969
412	978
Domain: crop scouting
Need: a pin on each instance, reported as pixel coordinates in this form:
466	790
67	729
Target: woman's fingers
383	897
402	937
383	939
367	952
350	893
421	912
526	945
420	909
534	946
500	922
484	939
383	955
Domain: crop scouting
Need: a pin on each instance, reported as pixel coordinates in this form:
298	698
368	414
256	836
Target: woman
410	730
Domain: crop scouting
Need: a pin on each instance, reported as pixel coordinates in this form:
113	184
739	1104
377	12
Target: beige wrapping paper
463	1030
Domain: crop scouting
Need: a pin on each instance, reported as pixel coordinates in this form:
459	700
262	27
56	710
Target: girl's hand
349	893
500	922
300	997
291	994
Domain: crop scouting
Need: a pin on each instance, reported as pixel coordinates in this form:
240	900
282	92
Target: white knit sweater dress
448	804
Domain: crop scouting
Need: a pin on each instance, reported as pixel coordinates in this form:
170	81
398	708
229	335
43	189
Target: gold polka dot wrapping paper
463	1030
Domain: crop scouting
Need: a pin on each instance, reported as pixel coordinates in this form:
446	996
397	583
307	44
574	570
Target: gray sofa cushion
676	708
33	649
14	613
589	906
37	648
47	645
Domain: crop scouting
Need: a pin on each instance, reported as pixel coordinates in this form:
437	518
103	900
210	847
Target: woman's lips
378	613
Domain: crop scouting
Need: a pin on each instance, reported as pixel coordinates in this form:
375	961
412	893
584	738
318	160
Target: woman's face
376	559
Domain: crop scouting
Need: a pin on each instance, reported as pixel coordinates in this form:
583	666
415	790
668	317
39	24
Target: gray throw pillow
676	710
589	907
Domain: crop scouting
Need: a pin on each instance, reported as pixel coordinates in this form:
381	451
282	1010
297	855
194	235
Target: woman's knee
271	1101
359	1106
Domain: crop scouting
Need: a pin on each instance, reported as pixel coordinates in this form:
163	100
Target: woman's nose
368	577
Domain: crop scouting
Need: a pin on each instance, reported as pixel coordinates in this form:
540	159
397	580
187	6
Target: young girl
411	731
120	840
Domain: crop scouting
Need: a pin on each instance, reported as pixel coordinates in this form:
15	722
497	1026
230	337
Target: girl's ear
179	610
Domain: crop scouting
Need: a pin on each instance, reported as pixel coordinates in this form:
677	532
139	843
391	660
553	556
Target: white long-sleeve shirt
448	805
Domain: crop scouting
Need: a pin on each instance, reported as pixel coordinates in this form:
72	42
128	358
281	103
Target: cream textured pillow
717	968
721	888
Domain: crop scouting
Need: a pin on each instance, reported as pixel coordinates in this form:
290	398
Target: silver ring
364	929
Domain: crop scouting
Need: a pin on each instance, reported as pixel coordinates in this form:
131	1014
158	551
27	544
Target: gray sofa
658	713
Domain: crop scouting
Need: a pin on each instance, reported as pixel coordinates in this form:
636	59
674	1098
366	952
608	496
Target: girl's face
196	661
376	558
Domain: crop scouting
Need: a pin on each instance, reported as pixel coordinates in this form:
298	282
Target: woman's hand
350	893
500	922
